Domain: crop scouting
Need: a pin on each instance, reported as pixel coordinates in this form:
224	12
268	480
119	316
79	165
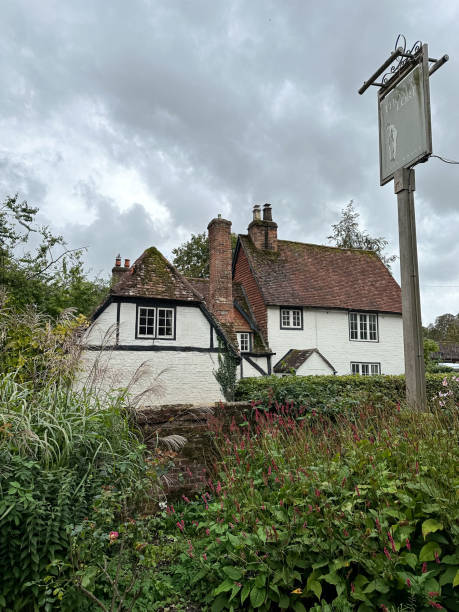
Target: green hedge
335	393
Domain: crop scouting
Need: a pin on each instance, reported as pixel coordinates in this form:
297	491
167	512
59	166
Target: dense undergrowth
309	514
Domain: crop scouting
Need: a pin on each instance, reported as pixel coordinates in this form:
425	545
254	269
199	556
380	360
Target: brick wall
243	275
193	463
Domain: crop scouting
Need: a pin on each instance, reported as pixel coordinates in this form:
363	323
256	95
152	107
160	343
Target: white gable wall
328	331
314	366
177	376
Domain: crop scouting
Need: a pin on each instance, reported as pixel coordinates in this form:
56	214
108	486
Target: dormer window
291	318
155	322
244	341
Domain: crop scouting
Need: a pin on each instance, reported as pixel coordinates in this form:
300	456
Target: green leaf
233	572
235	591
260	581
245	592
225	586
409	559
284	601
456	579
298	607
428	551
219	604
257	597
315	587
233	540
430	526
448	576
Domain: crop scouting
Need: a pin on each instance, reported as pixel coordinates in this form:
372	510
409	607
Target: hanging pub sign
405	136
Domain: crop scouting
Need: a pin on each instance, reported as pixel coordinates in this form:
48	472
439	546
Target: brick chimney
118	270
263	232
220	273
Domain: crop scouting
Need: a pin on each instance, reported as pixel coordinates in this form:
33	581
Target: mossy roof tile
301	274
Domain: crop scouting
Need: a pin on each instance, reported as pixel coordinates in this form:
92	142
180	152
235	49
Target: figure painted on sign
392	141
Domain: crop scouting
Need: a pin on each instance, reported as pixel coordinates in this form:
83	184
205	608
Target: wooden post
404	187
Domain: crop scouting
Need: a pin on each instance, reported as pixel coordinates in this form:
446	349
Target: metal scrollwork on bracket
406	57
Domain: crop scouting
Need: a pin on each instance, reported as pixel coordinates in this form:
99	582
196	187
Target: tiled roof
154	277
295	359
300	274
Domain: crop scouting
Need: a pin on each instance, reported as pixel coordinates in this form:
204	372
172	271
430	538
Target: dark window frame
156	306
299	309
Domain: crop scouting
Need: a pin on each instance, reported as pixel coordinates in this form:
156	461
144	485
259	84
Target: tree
445	328
50	275
192	257
348	235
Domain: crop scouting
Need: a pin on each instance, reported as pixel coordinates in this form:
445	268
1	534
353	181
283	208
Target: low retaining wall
194	461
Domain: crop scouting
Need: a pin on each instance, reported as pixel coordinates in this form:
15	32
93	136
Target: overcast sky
131	124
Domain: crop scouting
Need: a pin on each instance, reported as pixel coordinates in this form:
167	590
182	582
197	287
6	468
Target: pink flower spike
437	560
387	553
434	604
207	531
408	582
204	556
408	545
424	567
113	535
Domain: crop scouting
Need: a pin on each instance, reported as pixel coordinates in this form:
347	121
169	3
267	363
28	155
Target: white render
174	376
328	331
314	366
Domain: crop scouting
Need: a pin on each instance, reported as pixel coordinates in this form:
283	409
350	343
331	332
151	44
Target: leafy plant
308	513
58	449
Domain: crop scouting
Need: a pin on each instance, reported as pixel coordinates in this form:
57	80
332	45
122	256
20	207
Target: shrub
58	449
333	394
357	512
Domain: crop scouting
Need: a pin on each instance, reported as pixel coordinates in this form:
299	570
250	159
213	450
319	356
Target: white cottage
280	307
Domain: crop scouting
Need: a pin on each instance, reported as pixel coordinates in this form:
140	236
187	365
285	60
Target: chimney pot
256	213
267	212
219	216
127	263
118	261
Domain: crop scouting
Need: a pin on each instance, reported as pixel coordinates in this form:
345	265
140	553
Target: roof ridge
322	246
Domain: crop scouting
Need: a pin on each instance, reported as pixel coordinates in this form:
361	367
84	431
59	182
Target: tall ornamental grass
308	512
58	448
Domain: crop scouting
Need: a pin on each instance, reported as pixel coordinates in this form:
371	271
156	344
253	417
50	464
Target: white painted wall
248	370
165	377
328	331
192	328
176	376
314	366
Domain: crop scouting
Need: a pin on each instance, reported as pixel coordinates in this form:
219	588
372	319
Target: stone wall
194	463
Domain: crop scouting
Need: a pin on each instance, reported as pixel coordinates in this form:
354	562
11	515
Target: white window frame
288	318
155	310
241	338
166	309
365	368
149	310
362	325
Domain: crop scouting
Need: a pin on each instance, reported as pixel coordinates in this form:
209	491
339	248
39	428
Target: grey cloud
220	105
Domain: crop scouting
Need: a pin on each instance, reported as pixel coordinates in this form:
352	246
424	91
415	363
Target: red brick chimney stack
118	270
263	232
220	273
